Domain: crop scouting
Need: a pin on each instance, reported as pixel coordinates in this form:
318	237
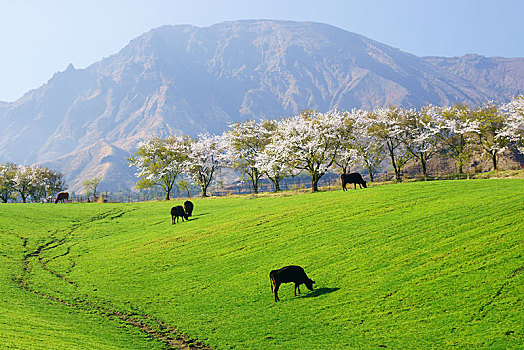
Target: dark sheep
288	274
62	197
353	178
177	212
188	208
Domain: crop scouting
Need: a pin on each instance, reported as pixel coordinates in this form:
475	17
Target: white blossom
388	126
244	142
514	128
310	142
205	155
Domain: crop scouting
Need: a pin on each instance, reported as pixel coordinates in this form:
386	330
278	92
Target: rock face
187	80
100	159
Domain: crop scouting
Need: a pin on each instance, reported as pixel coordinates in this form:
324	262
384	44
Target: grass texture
406	266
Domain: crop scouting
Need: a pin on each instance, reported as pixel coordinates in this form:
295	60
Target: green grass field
407	266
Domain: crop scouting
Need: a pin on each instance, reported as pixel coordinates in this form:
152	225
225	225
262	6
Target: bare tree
91	185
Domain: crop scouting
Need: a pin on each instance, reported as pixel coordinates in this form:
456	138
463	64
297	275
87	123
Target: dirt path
152	327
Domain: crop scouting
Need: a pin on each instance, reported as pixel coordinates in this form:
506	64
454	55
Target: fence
286	184
327	182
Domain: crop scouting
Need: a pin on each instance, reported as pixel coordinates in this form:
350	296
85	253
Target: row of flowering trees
316	143
28	182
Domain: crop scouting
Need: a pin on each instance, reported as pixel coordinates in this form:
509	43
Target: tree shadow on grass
319	291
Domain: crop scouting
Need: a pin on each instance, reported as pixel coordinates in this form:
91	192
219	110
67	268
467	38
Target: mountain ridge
187	80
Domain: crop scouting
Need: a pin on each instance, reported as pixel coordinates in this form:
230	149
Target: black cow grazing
188	208
177	212
62	197
288	274
353	178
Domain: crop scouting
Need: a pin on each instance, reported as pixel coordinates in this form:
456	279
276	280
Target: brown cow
62	197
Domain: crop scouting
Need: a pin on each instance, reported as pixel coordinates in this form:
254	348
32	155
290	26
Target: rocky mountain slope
186	79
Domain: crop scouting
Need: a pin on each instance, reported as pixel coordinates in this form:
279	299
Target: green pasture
406	266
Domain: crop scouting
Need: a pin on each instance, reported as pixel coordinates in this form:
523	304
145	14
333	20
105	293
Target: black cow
188	208
177	212
353	178
288	274
62	197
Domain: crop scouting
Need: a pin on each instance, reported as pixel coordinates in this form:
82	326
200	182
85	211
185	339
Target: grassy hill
418	265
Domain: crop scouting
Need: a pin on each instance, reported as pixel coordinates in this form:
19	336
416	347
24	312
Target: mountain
496	76
100	159
187	80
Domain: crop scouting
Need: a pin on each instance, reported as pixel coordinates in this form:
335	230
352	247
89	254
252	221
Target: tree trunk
424	169
167	185
204	190
370	175
494	160
370	171
314	182
168	191
276	183
254	181
395	168
398	176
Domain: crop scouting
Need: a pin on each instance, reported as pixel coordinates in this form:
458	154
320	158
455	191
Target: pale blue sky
41	37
